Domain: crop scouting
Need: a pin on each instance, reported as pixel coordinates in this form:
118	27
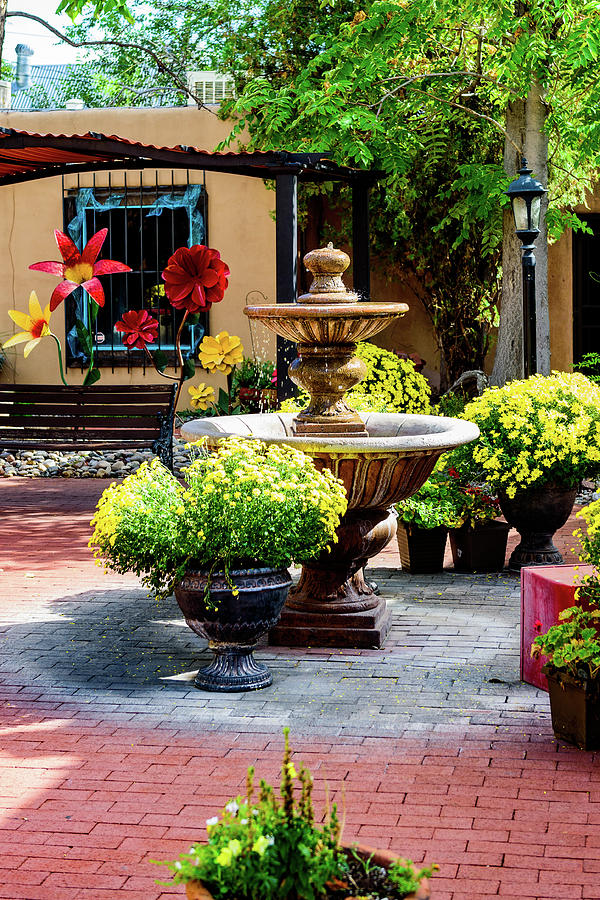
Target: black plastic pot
575	708
233	623
421	549
481	548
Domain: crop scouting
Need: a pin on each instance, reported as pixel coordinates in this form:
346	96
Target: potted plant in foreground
539	438
268	848
573	671
423	522
222	541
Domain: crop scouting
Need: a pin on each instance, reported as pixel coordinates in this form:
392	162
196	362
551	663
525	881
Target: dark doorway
586	289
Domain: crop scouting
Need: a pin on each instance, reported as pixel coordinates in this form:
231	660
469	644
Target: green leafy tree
388	86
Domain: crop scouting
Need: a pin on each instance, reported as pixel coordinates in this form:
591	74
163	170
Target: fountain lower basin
389	465
332	604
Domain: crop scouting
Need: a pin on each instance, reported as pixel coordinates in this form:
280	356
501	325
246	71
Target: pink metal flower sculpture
195	278
139	328
80	268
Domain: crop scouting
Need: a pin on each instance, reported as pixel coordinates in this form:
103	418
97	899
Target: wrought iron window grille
146	224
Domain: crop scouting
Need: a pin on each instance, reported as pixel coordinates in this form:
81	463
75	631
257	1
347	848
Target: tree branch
473	112
125	45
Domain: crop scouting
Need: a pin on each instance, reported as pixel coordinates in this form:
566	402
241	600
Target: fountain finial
327	265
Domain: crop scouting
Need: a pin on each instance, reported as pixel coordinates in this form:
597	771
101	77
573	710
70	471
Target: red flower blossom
139	328
452	472
537	625
195	278
80	268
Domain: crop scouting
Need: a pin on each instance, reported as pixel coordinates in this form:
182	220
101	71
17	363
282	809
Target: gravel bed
118	463
81	464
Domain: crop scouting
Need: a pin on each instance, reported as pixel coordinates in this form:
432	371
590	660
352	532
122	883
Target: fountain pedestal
332	605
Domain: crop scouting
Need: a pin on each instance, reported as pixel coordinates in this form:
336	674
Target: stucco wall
239	222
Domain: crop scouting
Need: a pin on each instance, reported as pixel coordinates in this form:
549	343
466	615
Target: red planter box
545	591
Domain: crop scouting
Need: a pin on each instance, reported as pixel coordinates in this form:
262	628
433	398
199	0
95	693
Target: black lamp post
526	198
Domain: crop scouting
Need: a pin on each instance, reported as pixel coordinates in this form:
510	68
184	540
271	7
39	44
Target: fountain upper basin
389	465
327	324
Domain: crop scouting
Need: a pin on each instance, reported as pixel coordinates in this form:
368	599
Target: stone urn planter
195	890
232	622
421	549
575	708
480	547
537	514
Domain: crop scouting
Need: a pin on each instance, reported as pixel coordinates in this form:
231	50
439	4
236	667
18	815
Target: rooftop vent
210	87
23	71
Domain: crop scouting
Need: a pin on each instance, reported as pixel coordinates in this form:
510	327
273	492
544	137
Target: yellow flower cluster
542	429
393	380
391	384
244	503
264	500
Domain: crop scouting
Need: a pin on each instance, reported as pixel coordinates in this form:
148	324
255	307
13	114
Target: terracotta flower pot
536	514
421	549
481	548
575	708
235	623
195	890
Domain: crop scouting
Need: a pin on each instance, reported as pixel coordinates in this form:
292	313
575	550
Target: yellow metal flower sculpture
35	326
201	396
220	353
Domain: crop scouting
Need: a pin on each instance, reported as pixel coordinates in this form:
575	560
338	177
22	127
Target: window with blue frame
145	226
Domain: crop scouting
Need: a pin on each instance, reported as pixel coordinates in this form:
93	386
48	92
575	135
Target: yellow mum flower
201	396
35	326
220	353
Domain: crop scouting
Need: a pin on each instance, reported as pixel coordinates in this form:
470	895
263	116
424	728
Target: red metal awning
25	156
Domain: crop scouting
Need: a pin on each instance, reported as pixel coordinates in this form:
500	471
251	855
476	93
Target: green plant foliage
253	374
244	503
590	366
432	505
573	645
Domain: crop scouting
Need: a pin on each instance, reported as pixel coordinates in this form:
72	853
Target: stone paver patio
109	757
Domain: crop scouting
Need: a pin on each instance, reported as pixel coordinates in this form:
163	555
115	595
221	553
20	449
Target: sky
47	49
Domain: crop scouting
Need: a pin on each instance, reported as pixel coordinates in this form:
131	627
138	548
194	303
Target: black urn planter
235	625
479	548
575	708
421	549
537	514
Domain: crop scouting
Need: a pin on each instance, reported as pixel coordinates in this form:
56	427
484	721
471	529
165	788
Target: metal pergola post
360	237
286	270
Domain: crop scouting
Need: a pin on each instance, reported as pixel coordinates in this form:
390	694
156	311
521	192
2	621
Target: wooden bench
55	417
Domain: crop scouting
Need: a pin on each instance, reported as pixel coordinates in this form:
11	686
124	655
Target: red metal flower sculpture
195	278
139	328
80	268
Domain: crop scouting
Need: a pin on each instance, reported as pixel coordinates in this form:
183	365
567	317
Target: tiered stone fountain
381	460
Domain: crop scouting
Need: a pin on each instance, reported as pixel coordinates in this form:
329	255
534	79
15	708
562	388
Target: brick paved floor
109	757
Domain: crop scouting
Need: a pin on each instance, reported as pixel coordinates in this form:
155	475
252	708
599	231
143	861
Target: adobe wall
240	226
